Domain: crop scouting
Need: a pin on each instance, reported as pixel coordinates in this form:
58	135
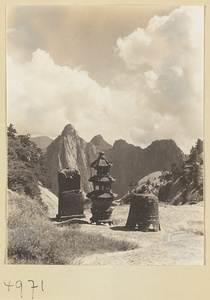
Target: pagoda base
101	216
101	222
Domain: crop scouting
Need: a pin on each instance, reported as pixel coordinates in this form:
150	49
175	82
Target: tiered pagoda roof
102	179
101	161
99	195
107	195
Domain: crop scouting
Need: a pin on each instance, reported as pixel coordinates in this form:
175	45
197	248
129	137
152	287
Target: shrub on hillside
26	164
186	184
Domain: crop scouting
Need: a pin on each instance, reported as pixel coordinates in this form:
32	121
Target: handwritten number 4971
19	285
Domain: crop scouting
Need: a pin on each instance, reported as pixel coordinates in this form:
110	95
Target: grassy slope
33	239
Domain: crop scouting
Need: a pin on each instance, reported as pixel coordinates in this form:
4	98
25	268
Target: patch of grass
33	239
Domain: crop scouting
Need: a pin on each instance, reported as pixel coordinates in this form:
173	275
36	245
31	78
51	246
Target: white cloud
161	97
131	45
151	78
156	22
172	63
43	97
163	37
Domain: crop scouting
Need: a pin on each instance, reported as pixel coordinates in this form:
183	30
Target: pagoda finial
101	162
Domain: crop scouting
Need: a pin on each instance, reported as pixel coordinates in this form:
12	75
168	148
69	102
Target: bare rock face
177	192
100	143
49	200
70	150
186	183
132	163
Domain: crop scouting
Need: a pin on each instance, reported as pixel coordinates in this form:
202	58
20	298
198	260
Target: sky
125	72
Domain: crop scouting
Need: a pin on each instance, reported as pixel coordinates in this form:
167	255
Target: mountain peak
98	136
122	144
100	144
69	130
161	145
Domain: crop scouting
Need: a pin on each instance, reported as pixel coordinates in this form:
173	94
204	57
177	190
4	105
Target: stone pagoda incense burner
102	196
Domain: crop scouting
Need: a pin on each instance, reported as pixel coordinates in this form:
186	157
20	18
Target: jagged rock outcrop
50	200
70	150
183	185
100	143
186	183
149	184
132	163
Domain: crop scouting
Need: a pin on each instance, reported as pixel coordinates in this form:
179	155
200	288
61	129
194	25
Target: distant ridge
100	143
131	163
42	142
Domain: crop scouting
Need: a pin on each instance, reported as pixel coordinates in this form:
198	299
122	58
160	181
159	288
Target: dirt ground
180	241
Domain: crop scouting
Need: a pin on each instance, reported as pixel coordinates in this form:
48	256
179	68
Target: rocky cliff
182	185
70	150
186	182
100	143
132	163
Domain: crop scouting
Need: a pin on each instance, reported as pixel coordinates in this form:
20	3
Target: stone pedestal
71	199
71	204
143	213
101	211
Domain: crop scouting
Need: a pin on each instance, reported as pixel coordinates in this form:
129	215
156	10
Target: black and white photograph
105	163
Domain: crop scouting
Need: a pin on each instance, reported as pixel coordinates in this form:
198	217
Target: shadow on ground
123	228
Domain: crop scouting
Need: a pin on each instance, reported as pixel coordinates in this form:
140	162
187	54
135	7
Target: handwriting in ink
19	285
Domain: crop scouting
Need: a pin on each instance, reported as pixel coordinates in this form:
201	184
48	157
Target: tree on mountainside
11	131
190	170
199	146
26	164
186	181
193	161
